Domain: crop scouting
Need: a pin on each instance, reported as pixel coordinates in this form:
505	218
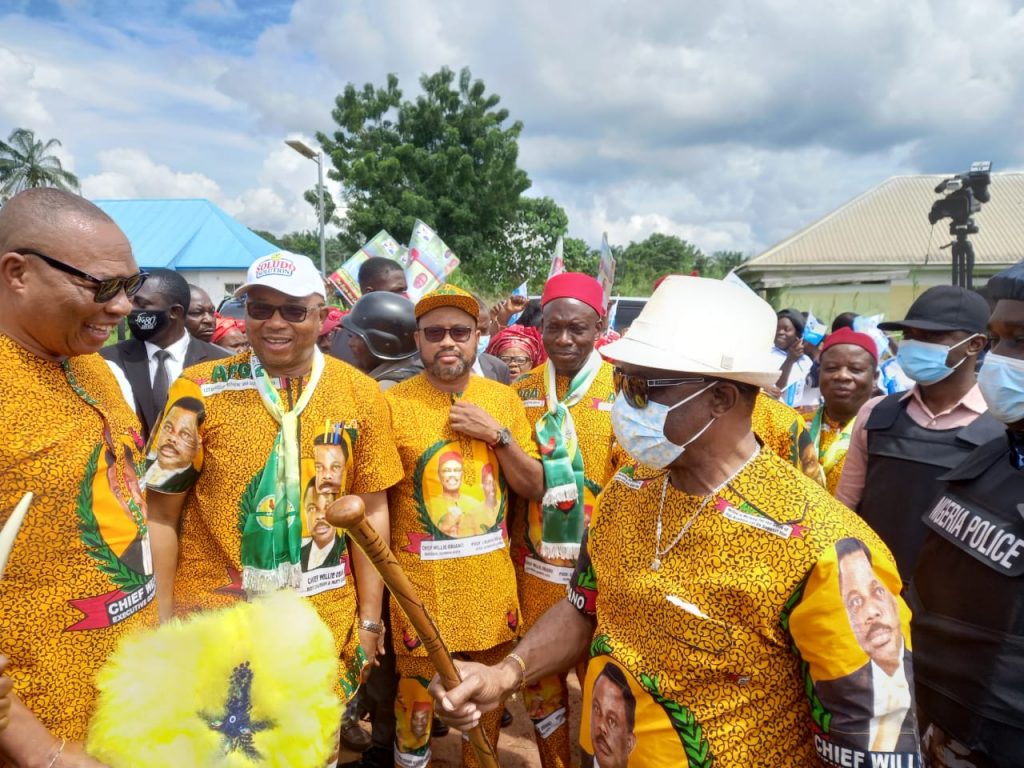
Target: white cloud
20	103
732	124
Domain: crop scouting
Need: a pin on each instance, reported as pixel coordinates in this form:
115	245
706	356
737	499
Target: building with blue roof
194	237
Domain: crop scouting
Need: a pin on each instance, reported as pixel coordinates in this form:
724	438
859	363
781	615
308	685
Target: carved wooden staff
348	512
10	530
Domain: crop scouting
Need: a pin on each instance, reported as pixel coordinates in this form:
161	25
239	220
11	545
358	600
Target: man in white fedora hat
709	574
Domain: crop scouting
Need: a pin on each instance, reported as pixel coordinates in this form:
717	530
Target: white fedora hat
698	325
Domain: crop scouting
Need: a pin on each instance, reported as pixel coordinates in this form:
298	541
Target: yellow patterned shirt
783	431
80	575
740	645
449	516
542	581
214	439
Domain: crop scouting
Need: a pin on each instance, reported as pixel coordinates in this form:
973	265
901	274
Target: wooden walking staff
348	512
10	530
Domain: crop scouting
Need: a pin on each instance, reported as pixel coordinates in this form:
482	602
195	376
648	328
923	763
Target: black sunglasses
435	333
292	313
636	389
106	289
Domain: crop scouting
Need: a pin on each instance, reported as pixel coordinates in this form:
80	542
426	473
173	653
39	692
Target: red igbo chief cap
449	456
850	336
575	285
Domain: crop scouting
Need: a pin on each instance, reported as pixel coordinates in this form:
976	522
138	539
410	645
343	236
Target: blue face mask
925	362
641	431
1001	381
482	344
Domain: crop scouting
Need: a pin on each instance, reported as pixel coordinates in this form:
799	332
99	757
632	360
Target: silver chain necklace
658	551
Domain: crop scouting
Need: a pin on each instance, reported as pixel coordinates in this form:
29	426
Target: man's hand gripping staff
348	513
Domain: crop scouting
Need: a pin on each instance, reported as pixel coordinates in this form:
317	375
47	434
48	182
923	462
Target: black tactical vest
968	598
904	462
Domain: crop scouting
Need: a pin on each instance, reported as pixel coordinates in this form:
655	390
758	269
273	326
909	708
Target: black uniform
968	596
904	463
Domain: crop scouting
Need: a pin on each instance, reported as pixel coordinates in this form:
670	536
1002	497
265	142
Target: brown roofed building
878	252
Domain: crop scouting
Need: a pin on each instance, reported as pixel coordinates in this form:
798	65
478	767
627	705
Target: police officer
382	327
968	626
902	442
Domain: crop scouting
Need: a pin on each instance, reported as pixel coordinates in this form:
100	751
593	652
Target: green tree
330	207
641	264
580	257
27	163
446	157
525	252
724	262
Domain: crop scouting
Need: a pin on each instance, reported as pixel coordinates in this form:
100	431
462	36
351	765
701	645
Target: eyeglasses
292	313
436	333
636	389
106	288
520	361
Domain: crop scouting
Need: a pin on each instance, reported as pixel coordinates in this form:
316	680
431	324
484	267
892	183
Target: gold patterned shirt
741	645
542	581
449	515
213	443
80	574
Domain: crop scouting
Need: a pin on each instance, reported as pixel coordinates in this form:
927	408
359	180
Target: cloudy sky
731	124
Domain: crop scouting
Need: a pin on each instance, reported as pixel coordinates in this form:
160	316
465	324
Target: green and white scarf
562	505
272	532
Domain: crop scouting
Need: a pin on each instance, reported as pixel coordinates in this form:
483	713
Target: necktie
161	381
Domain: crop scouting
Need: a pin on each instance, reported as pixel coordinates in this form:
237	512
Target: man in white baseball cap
709	571
269	425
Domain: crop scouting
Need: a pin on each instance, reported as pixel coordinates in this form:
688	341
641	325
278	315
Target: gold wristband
522	669
371	626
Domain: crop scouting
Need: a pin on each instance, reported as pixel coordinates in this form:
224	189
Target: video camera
964	194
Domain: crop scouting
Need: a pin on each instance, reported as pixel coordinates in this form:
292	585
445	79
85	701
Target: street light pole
320	189
318	158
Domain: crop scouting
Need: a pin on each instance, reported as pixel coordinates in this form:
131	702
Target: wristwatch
503	439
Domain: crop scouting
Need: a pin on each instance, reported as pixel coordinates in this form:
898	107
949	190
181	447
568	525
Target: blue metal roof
185	234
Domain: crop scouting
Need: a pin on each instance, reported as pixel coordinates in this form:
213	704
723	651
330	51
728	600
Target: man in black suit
883	684
325	547
161	346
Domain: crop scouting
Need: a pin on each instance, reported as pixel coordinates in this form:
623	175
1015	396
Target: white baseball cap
699	325
290	273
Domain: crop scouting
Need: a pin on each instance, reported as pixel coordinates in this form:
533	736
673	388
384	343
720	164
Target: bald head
36	213
55	248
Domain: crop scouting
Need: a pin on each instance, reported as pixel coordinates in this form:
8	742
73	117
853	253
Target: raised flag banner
430	261
346	277
606	268
814	330
557	260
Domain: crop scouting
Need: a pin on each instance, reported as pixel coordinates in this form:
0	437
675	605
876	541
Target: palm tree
26	163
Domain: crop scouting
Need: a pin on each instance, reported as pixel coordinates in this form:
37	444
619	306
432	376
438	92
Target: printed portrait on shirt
459	490
861	662
624	724
175	449
325	478
413	710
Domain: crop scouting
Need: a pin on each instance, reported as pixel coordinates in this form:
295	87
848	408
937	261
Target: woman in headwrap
230	334
328	328
519	347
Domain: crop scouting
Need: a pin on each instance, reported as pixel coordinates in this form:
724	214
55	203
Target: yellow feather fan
251	685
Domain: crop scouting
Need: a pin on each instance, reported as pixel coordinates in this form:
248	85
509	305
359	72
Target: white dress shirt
175	363
891	702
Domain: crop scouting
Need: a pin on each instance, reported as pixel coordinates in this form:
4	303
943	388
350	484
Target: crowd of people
755	542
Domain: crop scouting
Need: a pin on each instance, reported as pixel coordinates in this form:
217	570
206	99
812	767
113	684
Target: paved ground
516	748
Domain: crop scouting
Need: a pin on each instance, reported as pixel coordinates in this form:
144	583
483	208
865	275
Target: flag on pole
606	268
557	260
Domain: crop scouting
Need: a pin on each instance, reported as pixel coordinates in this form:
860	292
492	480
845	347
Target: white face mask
641	431
1001	381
